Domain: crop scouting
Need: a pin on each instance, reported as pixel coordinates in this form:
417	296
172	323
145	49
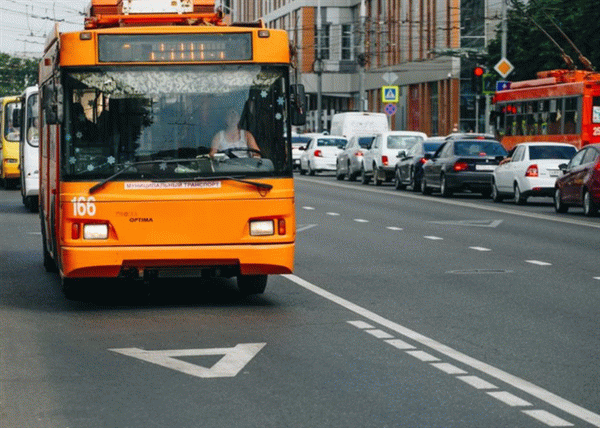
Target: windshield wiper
238	178
101	184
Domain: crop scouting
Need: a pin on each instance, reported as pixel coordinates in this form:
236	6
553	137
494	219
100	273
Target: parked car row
475	163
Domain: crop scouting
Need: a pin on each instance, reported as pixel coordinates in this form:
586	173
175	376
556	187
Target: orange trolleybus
560	105
164	145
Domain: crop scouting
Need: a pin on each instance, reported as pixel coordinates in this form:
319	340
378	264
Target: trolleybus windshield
158	123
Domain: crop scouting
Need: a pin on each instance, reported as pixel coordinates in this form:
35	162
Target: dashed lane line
479	366
538	263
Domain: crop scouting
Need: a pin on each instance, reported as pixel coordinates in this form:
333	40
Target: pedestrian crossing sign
390	94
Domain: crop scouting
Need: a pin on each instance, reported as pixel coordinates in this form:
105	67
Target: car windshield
331	142
365	142
551	152
479	148
431	147
402	142
116	117
300	141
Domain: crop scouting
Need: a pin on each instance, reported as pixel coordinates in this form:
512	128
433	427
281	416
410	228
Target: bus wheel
72	288
252	284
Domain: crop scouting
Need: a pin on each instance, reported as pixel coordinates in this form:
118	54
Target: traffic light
477	79
488	84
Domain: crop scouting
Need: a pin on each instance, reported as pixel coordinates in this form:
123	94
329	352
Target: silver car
350	161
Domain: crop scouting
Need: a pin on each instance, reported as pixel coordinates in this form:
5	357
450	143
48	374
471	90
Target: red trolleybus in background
10	110
137	178
559	106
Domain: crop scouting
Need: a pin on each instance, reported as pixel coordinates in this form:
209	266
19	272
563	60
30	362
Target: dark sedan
409	169
462	164
580	183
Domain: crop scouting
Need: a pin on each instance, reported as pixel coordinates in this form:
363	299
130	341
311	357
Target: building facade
346	54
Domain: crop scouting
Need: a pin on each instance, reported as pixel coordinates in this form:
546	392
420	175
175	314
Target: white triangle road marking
233	360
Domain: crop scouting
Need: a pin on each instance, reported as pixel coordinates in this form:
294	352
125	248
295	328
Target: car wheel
559	205
496	196
519	198
398	181
302	170
338	174
425	189
364	178
349	174
590	209
376	180
310	170
444	189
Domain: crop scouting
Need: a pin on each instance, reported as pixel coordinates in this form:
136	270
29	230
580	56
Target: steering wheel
230	152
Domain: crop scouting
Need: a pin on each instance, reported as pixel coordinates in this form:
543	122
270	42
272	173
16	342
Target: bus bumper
173	261
10	168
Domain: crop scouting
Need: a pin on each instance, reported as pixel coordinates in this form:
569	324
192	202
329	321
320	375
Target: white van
358	123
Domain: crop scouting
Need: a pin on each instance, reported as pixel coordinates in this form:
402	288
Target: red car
580	182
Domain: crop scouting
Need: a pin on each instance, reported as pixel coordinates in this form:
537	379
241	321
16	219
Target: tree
16	74
530	51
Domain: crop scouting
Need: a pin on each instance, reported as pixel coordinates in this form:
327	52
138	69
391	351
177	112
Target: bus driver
233	137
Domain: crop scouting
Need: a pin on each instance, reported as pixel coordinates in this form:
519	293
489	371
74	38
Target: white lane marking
480	249
471	223
538	263
476	382
434	238
333	214
423	356
34	233
233	360
510	399
597	277
360	324
361	220
528	387
379	334
305	227
493	208
547	418
448	368
394	228
400	344
308	208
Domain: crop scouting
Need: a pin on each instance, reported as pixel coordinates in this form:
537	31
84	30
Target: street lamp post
319	71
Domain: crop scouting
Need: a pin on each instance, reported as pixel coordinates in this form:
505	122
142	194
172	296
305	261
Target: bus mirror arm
53	104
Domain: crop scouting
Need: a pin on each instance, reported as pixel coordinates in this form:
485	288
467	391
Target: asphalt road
403	311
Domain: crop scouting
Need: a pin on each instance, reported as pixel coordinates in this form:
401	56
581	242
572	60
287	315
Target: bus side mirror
298	106
53	104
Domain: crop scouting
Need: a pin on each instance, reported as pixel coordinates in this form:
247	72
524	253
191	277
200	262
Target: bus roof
121	13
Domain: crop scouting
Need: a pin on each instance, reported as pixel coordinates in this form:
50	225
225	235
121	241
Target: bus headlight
11	160
95	231
262	228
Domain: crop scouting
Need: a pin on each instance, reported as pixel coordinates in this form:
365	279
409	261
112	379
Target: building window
325	30
347	44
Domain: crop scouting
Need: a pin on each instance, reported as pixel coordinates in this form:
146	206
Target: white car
530	171
349	162
321	154
380	160
299	143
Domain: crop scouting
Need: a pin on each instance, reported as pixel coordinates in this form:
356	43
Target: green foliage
16	74
530	50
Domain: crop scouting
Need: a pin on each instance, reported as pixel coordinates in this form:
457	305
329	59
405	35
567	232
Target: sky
25	24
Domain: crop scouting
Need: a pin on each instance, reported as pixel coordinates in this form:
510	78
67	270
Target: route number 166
83	206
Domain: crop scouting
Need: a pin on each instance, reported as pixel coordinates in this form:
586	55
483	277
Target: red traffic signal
478	71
